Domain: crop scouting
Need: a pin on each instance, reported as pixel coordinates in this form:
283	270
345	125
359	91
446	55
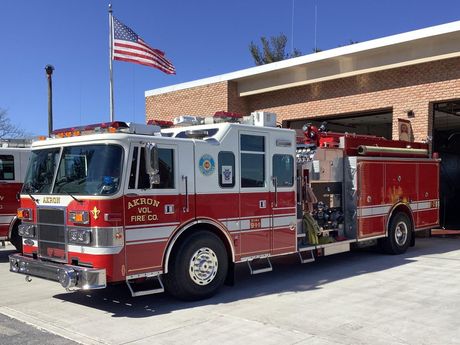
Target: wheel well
14	223
182	234
403	209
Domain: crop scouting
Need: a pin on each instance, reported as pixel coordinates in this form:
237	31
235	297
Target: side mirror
152	164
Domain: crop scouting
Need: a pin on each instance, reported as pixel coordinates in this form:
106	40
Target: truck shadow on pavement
288	277
4	254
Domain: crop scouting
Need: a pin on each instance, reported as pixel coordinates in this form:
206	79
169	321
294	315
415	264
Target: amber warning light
24	213
79	217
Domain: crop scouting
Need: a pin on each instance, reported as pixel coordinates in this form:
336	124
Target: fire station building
406	85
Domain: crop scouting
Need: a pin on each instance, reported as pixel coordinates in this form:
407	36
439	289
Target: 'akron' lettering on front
143	201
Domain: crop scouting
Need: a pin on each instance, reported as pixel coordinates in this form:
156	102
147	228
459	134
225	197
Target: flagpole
111	61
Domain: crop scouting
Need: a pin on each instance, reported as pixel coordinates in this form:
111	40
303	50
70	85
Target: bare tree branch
7	129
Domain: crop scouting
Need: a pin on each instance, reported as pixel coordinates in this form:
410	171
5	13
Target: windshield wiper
32	197
27	190
77	200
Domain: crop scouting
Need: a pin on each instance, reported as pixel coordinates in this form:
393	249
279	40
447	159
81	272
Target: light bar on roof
104	127
188	120
161	123
226	116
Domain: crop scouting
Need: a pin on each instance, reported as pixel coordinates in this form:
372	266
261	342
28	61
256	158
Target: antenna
292	28
316	25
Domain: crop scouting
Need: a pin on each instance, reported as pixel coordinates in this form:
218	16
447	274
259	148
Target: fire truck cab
179	207
14	155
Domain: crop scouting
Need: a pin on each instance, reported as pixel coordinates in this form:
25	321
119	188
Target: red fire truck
14	155
177	208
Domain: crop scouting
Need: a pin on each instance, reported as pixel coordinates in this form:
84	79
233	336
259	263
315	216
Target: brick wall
407	88
201	100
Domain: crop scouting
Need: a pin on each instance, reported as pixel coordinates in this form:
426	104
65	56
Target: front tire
399	234
198	267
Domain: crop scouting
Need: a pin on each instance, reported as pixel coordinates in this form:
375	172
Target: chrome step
158	289
267	268
307	258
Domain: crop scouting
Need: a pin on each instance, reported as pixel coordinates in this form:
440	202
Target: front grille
51	234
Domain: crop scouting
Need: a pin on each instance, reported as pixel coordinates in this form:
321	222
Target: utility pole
49	72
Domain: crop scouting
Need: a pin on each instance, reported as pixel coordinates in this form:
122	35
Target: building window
252	161
6	167
283	170
226	169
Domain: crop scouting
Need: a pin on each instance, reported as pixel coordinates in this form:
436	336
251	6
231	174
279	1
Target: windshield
81	170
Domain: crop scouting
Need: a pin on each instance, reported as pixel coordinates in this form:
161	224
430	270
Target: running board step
158	289
267	268
307	258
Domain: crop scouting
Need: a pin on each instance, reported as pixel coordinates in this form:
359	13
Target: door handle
275	184
186	207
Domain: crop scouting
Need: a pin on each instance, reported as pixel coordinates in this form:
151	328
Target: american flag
128	46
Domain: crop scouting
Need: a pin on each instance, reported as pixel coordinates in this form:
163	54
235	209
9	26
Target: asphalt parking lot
354	298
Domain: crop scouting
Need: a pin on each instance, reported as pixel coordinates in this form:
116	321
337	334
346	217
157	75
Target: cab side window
252	161
166	163
6	167
133	172
283	170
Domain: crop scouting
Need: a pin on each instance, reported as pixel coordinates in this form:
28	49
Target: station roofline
409	48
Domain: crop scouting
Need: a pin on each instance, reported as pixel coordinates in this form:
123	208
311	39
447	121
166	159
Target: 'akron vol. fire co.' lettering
144	213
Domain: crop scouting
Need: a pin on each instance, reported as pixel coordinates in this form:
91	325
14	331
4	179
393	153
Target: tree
7	129
273	49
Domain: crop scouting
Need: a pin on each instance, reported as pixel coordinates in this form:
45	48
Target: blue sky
202	38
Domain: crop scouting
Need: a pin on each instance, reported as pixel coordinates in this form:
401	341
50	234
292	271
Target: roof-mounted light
105	127
161	123
188	120
226	116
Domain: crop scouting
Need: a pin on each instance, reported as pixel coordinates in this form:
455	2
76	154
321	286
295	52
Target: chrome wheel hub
203	266
401	233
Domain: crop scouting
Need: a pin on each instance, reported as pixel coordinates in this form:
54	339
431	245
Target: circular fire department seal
207	165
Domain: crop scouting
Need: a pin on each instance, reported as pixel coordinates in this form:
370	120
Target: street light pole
49	72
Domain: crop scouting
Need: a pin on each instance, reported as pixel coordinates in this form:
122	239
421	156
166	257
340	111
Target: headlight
26	230
80	236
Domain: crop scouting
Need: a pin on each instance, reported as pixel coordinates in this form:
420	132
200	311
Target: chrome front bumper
69	276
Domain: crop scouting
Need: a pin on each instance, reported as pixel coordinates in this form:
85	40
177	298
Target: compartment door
372	206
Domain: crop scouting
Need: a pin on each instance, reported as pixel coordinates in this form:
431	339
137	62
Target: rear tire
15	239
198	267
399	234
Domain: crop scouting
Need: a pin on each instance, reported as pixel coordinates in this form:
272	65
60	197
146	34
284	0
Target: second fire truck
14	156
177	208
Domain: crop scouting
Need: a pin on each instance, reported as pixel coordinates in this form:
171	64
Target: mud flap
230	279
412	239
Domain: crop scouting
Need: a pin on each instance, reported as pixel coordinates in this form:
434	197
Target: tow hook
28	279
